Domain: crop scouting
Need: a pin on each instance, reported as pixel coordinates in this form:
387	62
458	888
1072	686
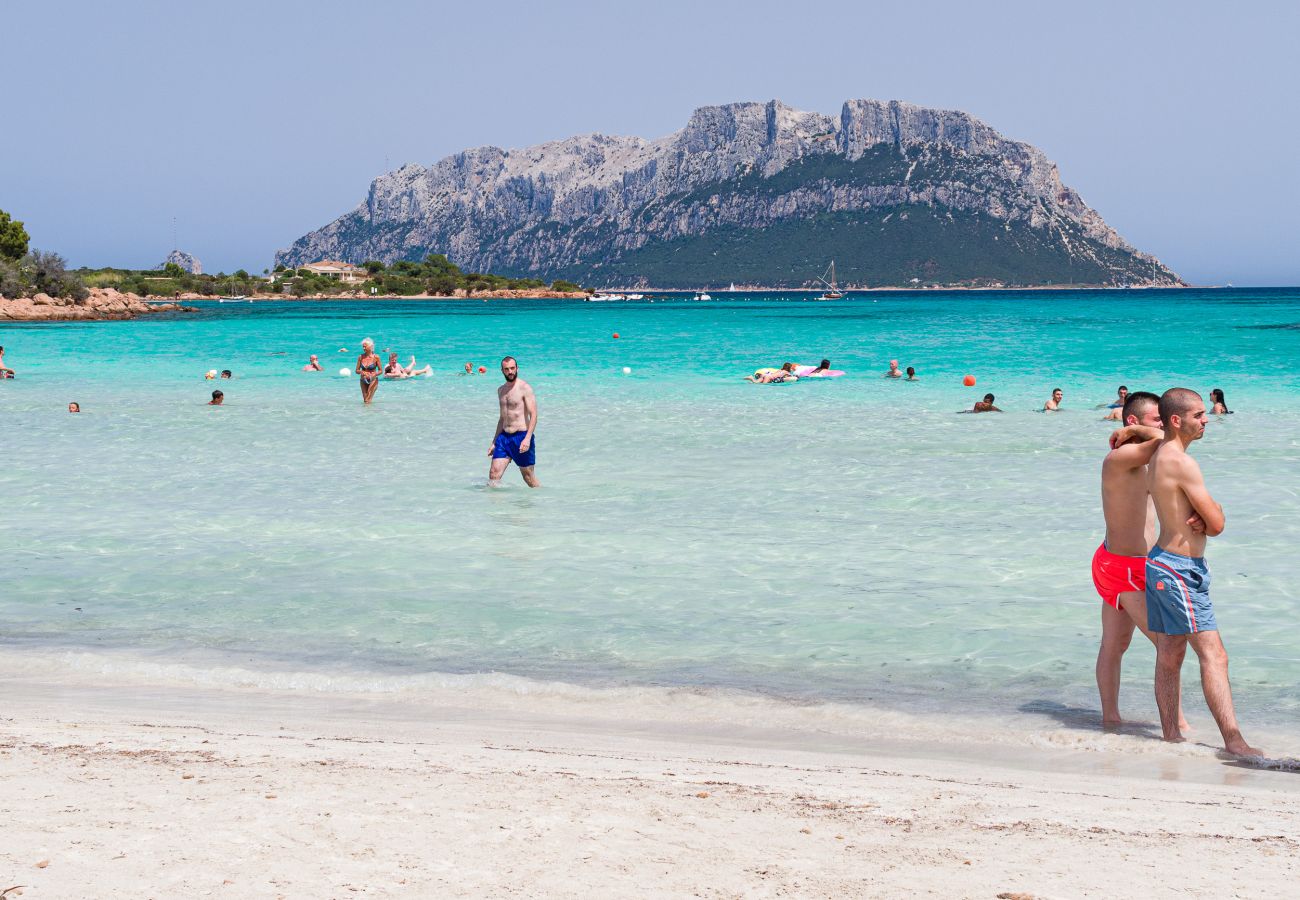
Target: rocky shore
101	304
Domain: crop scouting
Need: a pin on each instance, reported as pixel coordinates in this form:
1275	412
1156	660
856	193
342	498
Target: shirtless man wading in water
514	440
1178	580
1119	565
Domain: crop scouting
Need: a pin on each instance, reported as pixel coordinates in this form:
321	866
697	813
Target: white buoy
344	371
627	370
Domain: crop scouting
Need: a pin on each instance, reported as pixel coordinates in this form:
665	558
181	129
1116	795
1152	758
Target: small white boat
602	297
634	296
236	299
702	295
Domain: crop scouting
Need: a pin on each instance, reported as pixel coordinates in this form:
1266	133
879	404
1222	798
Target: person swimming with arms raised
368	367
516	423
1179	610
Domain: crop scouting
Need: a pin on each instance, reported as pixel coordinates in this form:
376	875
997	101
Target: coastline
115	786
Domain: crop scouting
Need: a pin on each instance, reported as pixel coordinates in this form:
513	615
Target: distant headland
758	193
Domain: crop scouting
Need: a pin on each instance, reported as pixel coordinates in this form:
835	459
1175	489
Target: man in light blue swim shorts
513	441
1178	581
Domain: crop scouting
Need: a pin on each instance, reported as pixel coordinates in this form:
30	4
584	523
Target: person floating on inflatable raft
793	372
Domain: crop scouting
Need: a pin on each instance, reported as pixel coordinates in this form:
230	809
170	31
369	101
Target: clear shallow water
850	540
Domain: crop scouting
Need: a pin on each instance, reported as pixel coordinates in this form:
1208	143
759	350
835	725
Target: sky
244	125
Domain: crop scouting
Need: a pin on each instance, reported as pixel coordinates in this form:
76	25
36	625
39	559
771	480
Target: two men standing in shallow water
1161	584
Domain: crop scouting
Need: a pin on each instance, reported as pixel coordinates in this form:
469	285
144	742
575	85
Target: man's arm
530	415
1192	483
1133	445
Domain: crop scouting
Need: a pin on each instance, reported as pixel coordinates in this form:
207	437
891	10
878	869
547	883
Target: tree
172	270
560	284
373	266
13	238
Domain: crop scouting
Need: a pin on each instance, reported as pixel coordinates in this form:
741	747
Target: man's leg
530	479
1170	650
1135	605
1116	633
498	469
1218	693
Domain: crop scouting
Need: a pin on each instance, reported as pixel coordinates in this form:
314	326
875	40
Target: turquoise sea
850	543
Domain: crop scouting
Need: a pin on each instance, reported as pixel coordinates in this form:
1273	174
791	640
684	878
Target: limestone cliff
753	193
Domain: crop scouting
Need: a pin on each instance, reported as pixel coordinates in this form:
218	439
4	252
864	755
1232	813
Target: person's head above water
1122	392
469	368
1182	411
825	364
788	367
226	373
988	398
217	397
1057	394
911	372
510	368
1142	408
74	407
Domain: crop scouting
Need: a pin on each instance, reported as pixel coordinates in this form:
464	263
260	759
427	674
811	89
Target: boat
828	279
732	288
233	297
602	297
701	295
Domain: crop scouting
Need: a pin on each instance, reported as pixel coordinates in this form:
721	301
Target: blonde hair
368	344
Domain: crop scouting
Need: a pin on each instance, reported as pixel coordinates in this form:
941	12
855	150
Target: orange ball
969	381
482	369
616	334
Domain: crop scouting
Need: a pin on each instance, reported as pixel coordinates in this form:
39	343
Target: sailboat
233	298
834	293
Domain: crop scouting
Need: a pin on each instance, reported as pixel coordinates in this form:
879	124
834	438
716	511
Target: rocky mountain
755	193
186	261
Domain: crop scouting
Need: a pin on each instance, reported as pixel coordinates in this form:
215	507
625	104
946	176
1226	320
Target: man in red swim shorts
1119	565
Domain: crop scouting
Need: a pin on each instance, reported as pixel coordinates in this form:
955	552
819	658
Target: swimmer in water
74	407
983	406
1117	408
1220	407
313	365
825	364
783	374
516	423
1054	404
4	371
217	398
469	369
911	374
368	367
225	373
894	371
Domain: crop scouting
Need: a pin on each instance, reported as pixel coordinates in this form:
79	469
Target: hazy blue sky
252	123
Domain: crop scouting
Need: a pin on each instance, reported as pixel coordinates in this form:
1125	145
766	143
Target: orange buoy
482	369
969	381
616	334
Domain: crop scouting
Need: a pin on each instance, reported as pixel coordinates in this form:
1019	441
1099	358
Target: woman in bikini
368	367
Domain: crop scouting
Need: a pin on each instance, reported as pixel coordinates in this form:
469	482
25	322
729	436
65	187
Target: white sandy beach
116	791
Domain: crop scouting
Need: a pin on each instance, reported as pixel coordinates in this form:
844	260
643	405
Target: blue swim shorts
1178	593
507	447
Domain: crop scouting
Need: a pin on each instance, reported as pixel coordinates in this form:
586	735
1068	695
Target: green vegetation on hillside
885	247
24	272
434	275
